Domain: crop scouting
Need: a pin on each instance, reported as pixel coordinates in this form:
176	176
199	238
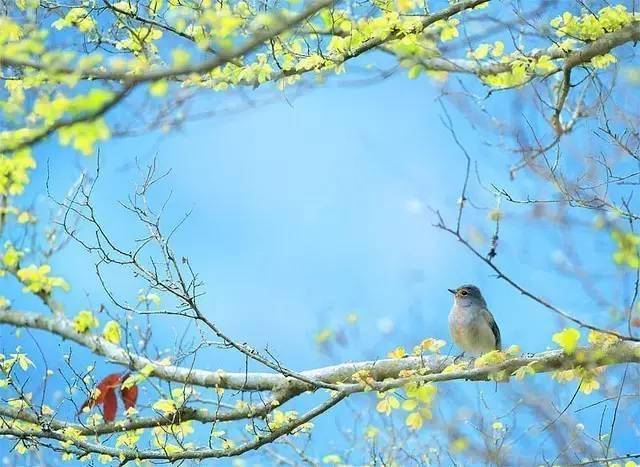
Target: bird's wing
494	327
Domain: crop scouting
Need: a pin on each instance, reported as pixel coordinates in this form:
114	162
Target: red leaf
105	387
129	396
110	405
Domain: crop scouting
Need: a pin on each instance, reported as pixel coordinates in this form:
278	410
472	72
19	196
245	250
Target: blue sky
306	211
316	209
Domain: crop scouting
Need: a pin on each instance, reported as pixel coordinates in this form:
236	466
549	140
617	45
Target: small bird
471	324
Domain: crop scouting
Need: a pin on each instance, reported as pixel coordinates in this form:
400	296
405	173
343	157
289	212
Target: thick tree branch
252	43
47	131
280	25
600	46
64	328
379	370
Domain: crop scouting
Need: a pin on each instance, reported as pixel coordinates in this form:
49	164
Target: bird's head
467	294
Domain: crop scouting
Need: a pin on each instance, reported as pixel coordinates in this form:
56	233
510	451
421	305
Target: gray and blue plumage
471	324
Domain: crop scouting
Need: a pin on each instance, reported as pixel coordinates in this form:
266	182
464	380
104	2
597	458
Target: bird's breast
458	321
460	316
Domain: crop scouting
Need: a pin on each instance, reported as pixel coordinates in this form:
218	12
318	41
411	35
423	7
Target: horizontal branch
181	415
63	327
430	367
604	44
572	59
36	434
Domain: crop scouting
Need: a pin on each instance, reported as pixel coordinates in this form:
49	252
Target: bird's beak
452	291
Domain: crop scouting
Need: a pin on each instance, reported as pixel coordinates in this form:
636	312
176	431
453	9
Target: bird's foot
458	357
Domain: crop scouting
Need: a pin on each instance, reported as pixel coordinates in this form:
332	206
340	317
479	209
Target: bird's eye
464	292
